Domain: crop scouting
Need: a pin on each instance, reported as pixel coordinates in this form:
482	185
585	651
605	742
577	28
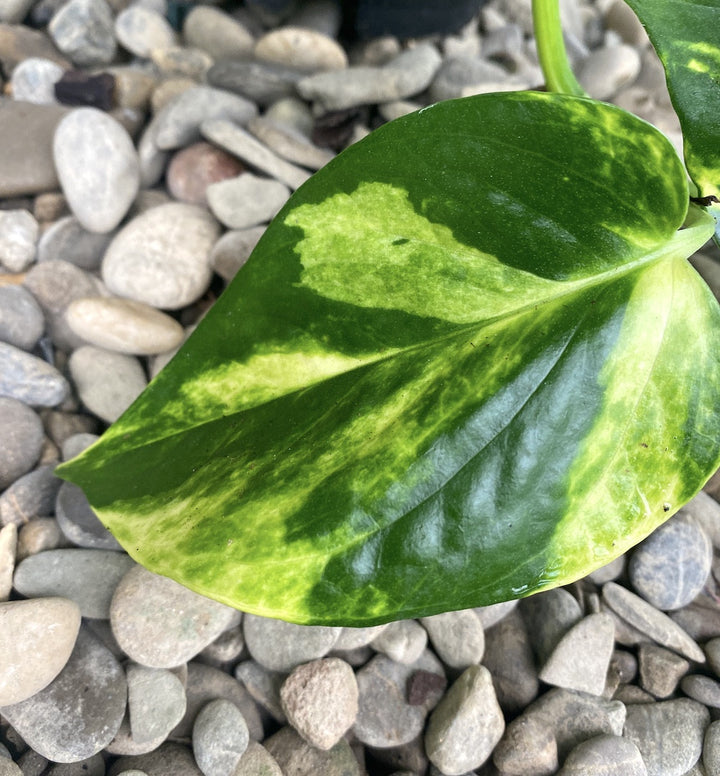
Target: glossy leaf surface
467	361
686	35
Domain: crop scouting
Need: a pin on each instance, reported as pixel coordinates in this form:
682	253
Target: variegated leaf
466	362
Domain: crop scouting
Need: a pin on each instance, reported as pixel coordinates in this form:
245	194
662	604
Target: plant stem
551	49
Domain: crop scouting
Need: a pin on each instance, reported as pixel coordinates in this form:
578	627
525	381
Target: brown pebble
422	684
194	168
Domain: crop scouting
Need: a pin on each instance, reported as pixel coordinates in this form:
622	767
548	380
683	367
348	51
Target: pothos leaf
466	362
686	36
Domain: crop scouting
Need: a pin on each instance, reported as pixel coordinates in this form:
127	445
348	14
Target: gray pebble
55	284
527	748
79	524
30	659
297	757
18	236
124	325
14	11
658	626
178	123
402	641
67	240
141	30
660	670
161	624
702	689
219	738
246	201
711	749
385	717
581	658
466	725
21	319
301	48
9	768
458	74
671	566
260	82
610	571
320	700
491	615
354	638
78	713
205	683
669	734
264	686
161	256
88	577
549	616
107	383
83	31
242	144
124	744
227	648
30	379
30	496
156	702
604	756
408	74
705	511
699	620
233	249
40	534
509	658
91	766
169	759
609	69
32	763
218	33
457	637
97	166
257	761
34	79
151	159
281	646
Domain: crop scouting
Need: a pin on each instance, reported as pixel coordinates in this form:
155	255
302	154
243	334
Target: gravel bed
139	165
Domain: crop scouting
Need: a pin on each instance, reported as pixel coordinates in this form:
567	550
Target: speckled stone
669	734
161	624
79	524
671	566
219	738
703	689
21	319
297	757
402	641
604	756
161	257
264	686
711	748
107	383
30	379
18	237
527	748
466	725
549	616
36	637
97	166
257	761
320	700
660	669
457	637
156	702
39	535
124	325
83	31
78	713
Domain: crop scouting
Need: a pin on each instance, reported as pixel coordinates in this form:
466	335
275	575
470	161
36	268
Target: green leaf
466	362
686	36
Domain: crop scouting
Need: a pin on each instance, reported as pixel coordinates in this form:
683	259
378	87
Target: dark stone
76	87
410	18
422	685
335	129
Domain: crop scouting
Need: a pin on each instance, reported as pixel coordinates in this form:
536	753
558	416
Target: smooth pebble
660	669
29	379
67	240
295	756
711	749
88	577
22	435
141	30
246	201
124	325
34	79
457	637
156	702
79	712
98	168
261	82
37	637
232	250
609	69
527	748
220	737
264	686
161	257
402	641
83	31
194	168
21	319
257	761
604	756
161	624
301	48
218	33
107	383
79	524
703	689
29	496
290	144
19	233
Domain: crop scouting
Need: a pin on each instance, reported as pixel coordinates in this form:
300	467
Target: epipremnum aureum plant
466	362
